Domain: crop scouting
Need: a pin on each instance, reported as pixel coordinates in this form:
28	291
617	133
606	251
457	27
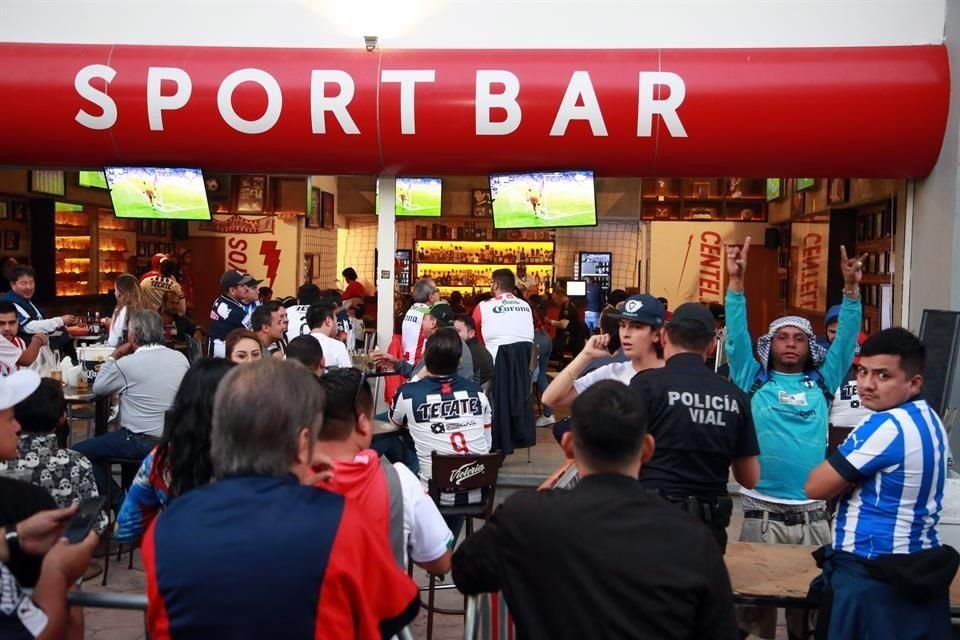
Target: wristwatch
12	539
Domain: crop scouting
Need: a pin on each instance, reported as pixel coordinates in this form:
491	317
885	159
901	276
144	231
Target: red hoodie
363	482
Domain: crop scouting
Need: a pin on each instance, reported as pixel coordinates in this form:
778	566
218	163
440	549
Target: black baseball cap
644	309
444	314
234	278
693	316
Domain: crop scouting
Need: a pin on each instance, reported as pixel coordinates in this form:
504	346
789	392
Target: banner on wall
687	261
239	224
848	111
809	246
266	250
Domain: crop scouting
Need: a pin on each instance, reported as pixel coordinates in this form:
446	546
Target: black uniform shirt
700	423
602	560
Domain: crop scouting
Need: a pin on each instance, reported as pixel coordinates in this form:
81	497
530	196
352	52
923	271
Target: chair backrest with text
465	484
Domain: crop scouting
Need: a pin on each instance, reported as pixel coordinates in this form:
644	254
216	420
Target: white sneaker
545	421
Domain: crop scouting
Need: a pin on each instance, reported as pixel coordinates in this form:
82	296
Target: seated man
887	571
259	555
381	488
605	559
443	411
176	326
14	351
308	352
321	320
66	475
147	375
438	317
22	287
482	360
269	322
44	613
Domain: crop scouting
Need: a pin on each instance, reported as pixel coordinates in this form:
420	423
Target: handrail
104	600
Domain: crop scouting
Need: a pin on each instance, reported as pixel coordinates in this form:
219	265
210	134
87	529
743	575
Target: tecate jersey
411	340
446	414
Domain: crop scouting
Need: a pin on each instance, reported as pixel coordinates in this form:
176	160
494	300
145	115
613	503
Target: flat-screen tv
576	287
805	183
543	200
773	189
94	179
416	197
158	192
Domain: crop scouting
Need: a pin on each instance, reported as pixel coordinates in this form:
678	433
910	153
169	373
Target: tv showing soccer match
416	197
543	200
93	179
158	192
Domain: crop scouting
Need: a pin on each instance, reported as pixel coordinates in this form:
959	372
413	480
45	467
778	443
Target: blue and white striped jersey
446	414
898	461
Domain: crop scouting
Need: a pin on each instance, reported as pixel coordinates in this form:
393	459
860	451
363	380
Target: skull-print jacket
64	474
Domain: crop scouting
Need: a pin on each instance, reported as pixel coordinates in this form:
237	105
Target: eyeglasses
356	397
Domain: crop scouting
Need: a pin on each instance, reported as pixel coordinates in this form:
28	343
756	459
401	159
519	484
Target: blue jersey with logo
897	459
226	314
790	411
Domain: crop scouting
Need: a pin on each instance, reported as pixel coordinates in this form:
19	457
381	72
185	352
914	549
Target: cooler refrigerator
402	259
596	265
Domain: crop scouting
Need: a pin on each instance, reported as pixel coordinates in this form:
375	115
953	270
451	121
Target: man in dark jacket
482	360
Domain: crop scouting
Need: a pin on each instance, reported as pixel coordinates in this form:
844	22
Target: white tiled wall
622	239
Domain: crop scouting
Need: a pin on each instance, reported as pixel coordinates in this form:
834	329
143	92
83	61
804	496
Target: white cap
17	387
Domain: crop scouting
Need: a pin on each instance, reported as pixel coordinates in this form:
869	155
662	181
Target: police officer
701	424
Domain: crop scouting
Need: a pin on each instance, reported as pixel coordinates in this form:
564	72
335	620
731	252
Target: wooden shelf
875	245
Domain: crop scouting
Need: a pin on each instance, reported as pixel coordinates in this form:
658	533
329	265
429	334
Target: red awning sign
864	112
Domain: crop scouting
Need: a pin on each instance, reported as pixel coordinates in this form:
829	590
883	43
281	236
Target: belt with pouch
789	518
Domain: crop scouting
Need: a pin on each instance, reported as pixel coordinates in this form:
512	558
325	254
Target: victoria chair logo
467	471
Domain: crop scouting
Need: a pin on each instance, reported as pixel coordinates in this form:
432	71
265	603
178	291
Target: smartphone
84	519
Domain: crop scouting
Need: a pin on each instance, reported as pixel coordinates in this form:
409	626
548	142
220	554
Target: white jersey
846	410
621	371
505	319
411	340
297	321
446	414
334	352
10	352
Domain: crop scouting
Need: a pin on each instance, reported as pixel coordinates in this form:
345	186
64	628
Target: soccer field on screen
177	194
420	197
561	202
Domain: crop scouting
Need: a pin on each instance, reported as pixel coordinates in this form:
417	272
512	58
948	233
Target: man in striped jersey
888	573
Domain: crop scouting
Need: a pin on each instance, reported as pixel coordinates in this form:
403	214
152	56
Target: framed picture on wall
11	241
482	203
313	217
3	209
19	212
327	209
837	190
251	194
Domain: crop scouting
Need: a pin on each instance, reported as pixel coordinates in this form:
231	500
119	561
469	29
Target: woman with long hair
181	462
129	298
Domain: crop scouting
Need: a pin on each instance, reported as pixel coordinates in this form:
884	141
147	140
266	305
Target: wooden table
780	574
101	406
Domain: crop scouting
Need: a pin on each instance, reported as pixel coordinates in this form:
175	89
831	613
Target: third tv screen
549	199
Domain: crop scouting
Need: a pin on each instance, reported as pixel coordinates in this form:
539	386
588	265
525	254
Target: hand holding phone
83	521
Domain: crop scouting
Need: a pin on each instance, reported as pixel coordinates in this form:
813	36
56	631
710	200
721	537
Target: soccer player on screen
402	194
